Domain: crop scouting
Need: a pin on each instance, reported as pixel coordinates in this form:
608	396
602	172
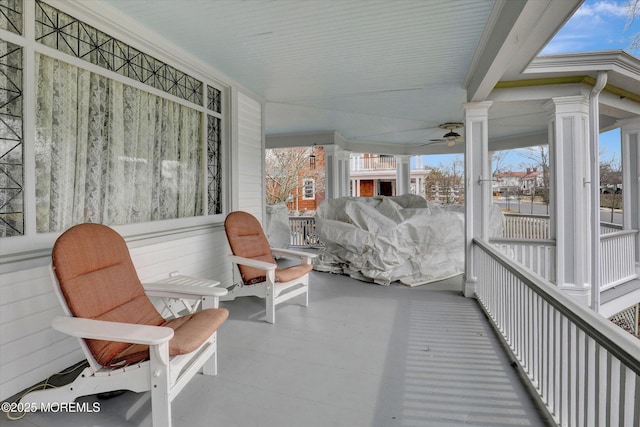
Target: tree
445	184
633	12
498	161
610	183
540	157
285	168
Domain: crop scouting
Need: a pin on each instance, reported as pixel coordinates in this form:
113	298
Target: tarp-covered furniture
253	260
387	239
127	343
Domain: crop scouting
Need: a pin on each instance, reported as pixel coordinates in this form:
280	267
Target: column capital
567	105
630	124
477	106
337	151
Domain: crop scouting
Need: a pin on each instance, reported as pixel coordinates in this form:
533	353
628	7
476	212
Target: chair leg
160	385
271	307
210	367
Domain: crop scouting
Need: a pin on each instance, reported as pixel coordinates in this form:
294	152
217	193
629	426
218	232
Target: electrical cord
43	386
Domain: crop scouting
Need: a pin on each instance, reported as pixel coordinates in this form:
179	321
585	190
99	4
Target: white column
570	196
337	171
630	139
477	173
403	174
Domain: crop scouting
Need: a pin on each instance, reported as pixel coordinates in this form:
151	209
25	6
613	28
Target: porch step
618	298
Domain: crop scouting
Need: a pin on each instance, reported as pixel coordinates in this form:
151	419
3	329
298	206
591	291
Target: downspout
594	149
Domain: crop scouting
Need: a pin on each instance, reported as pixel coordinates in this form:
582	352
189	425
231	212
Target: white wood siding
30	350
250	156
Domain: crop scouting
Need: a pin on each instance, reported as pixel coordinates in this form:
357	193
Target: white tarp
277	226
387	239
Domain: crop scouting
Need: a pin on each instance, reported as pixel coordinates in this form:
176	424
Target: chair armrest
112	331
293	253
262	265
171	290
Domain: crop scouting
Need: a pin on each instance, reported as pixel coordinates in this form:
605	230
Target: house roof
381	72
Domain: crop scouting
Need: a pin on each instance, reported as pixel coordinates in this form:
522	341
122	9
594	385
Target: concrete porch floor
359	355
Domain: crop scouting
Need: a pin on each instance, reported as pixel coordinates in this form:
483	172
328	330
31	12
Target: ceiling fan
450	137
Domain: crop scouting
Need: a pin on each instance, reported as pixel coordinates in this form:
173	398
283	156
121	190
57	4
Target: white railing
607	227
360	163
526	227
303	232
585	370
538	256
618	254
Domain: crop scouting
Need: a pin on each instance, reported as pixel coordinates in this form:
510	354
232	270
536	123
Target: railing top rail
618	234
517	215
531	242
619	343
611	225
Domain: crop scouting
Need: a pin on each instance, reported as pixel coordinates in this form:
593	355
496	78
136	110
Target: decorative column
337	171
570	199
403	174
630	139
477	175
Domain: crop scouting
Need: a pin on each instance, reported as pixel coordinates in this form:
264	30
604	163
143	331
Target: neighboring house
531	180
376	175
511	183
310	192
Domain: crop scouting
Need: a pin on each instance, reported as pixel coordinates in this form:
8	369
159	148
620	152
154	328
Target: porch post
630	139
477	175
403	174
571	198
337	171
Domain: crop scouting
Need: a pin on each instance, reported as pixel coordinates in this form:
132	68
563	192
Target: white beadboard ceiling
378	70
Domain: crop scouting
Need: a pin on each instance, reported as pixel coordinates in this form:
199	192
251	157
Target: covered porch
359	355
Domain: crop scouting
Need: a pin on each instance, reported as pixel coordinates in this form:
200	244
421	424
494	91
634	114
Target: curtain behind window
109	153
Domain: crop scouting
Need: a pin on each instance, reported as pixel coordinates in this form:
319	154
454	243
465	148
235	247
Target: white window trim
31	244
304	188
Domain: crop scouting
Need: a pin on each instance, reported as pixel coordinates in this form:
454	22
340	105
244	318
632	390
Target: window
143	145
110	153
11	147
308	189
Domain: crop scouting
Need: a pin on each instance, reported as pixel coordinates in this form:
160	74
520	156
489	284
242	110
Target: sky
596	25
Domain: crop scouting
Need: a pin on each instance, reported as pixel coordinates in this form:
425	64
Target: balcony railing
585	370
526	240
526	227
303	232
531	249
361	163
537	255
618	252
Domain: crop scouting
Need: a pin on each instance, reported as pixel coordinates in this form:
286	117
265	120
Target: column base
582	295
469	289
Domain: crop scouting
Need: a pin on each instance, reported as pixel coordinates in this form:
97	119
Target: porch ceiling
381	71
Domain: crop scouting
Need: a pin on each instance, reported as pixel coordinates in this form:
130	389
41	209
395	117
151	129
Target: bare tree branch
632	12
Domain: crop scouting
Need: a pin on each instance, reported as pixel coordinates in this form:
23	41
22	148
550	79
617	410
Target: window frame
308	182
31	244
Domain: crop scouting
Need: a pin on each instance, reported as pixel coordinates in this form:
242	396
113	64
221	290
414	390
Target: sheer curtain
109	153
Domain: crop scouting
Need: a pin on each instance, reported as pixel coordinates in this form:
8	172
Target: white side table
175	306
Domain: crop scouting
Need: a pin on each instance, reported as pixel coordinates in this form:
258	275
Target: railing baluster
586	370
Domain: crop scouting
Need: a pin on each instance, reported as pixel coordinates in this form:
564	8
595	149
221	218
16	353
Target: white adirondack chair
128	345
260	276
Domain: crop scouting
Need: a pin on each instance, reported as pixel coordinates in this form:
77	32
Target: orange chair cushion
293	272
98	281
190	332
247	239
